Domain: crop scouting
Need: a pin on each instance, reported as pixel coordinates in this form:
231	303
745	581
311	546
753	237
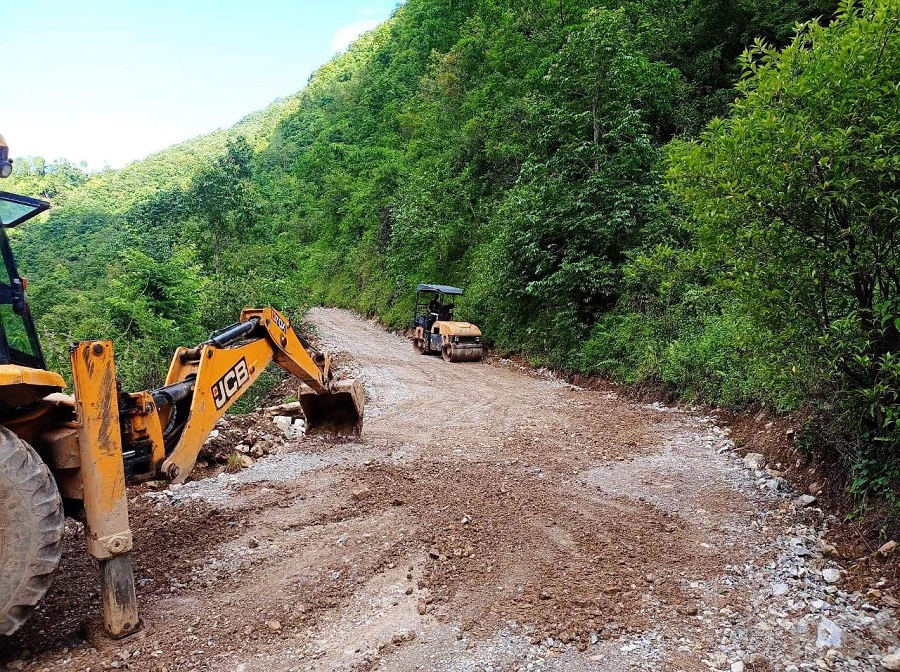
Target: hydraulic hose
222	338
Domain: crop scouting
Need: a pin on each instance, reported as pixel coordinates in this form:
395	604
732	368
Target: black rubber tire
31	530
447	353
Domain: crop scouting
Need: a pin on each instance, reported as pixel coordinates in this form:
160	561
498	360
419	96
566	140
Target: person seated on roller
434	311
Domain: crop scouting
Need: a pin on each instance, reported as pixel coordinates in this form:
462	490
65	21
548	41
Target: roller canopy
443	289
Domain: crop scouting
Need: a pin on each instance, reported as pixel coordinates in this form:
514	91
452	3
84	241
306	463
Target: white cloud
343	37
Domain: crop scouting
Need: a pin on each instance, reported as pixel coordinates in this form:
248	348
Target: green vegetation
624	188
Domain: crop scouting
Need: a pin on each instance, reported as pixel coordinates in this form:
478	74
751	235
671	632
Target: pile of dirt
574	571
168	544
237	441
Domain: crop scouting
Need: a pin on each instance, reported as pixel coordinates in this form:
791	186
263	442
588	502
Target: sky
111	81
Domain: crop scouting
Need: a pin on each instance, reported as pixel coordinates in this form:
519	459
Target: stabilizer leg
120	614
107	531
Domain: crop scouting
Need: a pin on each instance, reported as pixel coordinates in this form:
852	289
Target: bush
795	198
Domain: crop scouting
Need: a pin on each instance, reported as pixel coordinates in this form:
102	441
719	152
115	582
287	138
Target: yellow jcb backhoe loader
76	453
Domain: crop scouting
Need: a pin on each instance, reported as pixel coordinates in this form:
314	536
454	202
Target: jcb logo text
229	384
277	319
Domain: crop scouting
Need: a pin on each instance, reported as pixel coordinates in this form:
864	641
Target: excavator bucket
337	412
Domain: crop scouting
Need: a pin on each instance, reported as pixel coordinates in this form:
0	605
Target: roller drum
462	352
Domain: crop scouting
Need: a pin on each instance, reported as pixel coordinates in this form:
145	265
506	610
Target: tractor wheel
447	353
31	530
419	346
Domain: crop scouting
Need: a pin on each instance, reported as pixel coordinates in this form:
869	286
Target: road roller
436	332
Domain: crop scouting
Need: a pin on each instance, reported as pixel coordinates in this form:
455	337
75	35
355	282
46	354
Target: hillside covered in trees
700	196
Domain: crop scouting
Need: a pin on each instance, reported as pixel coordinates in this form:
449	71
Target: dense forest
696	195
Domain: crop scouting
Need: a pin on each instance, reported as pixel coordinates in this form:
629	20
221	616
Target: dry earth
489	519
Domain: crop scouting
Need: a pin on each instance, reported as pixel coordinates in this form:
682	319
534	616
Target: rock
888	548
831	575
274	626
285	424
422	607
814	488
890	601
360	493
891	661
737	667
755	461
780	589
246	461
400	637
756	662
798	546
252	543
829	634
774	484
805	500
717	658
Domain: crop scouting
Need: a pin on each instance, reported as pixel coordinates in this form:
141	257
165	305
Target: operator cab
18	338
433	304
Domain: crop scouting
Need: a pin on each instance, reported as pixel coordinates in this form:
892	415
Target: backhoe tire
31	530
419	346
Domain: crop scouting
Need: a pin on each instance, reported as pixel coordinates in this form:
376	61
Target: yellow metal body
448	329
99	435
100	443
83	439
222	375
14	374
455	341
20	385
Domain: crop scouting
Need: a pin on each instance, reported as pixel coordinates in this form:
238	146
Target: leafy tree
53	181
222	196
590	189
796	194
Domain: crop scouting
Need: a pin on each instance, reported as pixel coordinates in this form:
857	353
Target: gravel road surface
491	518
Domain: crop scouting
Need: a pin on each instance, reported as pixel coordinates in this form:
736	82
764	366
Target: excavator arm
164	429
119	437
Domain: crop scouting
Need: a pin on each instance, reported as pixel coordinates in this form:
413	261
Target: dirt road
488	520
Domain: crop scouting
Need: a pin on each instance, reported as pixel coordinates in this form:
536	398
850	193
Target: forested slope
620	186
